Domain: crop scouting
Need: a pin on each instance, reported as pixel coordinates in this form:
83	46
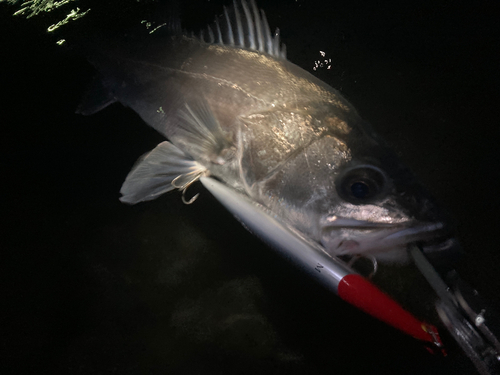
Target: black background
92	286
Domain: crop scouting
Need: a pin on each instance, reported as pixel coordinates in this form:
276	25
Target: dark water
92	286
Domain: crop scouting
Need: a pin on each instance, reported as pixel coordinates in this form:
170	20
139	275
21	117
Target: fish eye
360	189
361	184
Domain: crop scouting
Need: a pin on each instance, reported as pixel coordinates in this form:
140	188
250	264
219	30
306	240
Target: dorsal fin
242	25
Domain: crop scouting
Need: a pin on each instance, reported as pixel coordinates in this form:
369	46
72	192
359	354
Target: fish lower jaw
392	255
443	250
389	254
387	244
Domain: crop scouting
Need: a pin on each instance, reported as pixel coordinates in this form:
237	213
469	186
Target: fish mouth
349	236
436	240
415	233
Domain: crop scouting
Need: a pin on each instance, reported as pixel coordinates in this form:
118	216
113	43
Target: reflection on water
32	8
71	16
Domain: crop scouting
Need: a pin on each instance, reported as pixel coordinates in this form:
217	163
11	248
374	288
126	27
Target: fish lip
429	234
417	232
339	222
437	240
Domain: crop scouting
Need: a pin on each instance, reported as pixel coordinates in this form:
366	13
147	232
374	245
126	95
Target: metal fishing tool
469	320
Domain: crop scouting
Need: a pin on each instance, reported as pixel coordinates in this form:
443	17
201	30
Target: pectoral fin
199	133
161	170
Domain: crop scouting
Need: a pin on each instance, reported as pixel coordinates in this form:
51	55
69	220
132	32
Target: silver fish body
234	107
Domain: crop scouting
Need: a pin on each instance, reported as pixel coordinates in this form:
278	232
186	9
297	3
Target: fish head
379	209
349	191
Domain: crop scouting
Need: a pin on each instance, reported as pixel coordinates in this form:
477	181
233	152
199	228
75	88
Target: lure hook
183	197
183	188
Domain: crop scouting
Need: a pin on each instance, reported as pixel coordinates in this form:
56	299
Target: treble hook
183	197
183	188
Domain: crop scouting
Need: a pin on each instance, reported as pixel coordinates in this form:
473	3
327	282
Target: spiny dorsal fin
244	26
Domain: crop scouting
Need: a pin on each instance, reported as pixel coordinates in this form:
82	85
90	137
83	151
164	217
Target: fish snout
347	236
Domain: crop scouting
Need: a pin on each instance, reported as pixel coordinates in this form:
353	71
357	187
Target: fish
232	106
